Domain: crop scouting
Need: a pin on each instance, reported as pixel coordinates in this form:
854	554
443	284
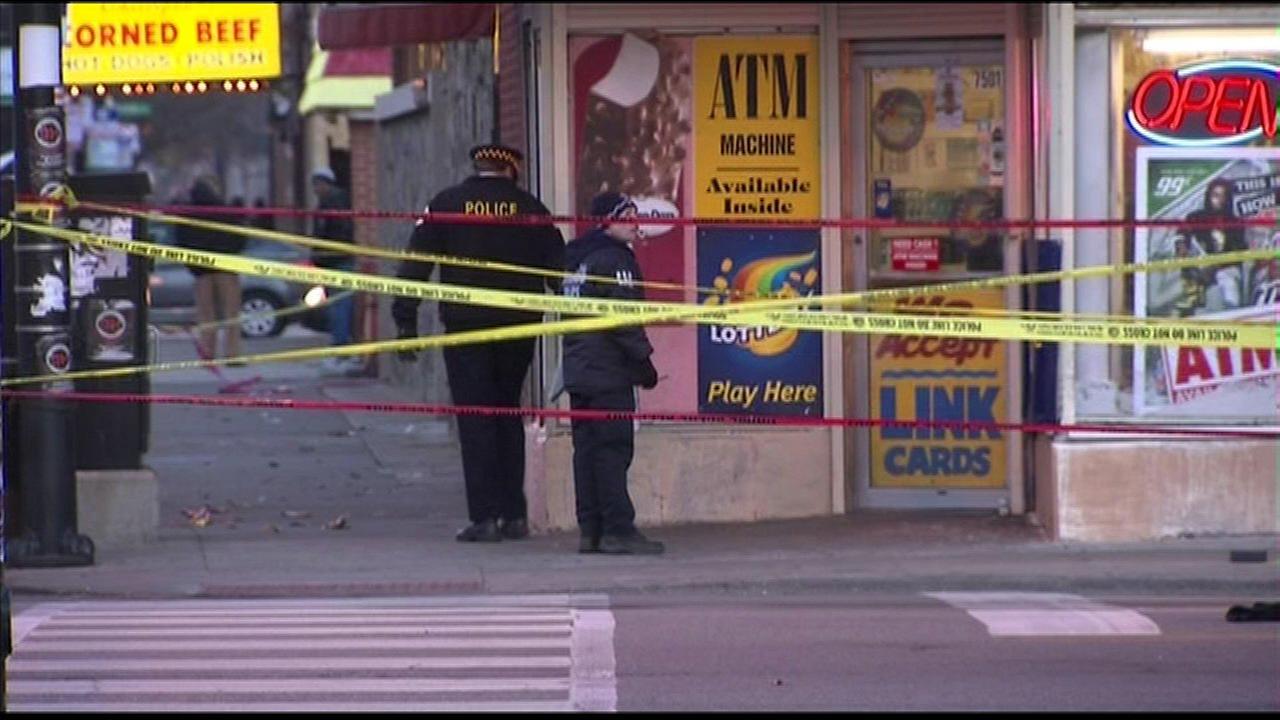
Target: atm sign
1211	104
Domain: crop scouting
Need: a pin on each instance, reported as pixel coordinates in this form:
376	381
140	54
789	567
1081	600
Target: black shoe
634	544
588	544
514	529
484	531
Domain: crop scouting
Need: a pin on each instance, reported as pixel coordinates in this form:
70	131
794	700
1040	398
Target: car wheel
257	315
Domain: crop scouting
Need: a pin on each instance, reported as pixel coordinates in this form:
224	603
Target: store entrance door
929	145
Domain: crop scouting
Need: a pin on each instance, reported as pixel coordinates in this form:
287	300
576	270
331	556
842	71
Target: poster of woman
1213	190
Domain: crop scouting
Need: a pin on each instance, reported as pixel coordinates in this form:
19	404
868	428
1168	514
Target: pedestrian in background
488	374
601	371
262	221
217	292
331	196
238	202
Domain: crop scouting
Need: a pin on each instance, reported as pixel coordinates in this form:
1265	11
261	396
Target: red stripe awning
363	26
347	63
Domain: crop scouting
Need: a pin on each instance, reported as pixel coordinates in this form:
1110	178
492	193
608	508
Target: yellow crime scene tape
617	313
864	298
1119	331
644	311
69	200
65	196
780	312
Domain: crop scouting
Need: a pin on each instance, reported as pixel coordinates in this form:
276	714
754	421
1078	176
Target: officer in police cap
489	374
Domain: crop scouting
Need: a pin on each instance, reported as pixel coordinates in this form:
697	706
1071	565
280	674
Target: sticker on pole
58	358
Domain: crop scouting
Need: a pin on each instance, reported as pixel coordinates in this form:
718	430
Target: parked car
172	290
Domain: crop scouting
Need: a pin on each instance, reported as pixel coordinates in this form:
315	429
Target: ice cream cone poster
632	132
756	127
631	108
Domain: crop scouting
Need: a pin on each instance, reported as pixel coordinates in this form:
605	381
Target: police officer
601	370
486	374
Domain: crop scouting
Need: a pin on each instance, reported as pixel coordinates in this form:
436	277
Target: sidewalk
278	479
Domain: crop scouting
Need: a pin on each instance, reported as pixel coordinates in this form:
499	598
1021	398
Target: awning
363	26
346	80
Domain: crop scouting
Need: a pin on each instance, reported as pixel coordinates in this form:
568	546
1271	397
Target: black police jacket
538	246
610	359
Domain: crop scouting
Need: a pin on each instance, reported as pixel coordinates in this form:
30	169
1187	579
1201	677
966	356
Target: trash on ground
201	516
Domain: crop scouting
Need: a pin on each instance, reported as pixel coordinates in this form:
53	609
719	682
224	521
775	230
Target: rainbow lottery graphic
784	277
759	369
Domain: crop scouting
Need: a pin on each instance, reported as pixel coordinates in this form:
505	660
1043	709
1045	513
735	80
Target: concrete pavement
353	503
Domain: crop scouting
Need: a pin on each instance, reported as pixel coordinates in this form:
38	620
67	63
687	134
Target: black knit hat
610	204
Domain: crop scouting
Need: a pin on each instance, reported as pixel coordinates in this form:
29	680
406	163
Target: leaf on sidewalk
201	516
338	523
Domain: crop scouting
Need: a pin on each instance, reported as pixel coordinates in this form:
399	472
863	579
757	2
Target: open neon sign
1225	102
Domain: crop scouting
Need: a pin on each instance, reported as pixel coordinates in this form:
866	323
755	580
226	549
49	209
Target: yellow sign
756	127
115	43
937	379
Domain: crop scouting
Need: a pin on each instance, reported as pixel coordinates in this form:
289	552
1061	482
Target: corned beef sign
1211	104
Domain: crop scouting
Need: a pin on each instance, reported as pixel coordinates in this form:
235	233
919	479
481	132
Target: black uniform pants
602	452
491	374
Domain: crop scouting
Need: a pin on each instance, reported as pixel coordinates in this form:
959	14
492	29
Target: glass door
929	139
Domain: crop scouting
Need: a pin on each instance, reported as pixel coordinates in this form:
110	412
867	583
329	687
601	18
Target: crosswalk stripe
494	654
594	686
19	688
304	706
191	621
469	603
35	644
1027	614
542	628
353	664
308	611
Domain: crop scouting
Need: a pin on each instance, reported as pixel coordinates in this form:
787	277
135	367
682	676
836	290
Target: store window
936	154
1193	137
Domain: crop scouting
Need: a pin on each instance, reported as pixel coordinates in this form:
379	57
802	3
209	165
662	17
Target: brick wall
364	196
511	80
364	177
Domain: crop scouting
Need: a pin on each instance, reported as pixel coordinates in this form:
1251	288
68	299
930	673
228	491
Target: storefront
764	112
1169	113
952	112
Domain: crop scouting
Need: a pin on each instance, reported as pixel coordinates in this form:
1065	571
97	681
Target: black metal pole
42	317
6	454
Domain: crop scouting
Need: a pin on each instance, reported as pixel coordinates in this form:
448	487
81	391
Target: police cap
500	153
